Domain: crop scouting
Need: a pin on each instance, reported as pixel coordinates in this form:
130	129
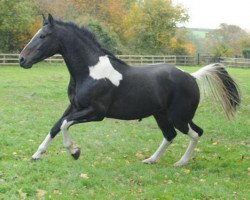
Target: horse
103	86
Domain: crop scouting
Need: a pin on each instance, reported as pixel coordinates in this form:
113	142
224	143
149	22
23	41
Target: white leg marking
194	137
68	143
42	148
161	149
104	69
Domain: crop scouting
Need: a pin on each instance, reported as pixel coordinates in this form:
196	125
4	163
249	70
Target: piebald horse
101	85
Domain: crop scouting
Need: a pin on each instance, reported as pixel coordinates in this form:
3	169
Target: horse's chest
91	92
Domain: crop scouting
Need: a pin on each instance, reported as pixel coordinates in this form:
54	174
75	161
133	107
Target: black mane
85	32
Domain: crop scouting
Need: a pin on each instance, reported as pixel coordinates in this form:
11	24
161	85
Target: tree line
122	26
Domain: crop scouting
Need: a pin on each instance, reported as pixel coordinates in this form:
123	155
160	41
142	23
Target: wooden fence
236	62
12	59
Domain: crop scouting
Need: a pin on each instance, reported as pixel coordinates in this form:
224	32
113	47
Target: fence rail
12	59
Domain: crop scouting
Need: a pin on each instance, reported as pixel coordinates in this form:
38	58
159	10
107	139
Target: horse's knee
65	125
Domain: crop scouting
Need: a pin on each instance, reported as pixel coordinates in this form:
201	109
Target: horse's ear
50	20
44	19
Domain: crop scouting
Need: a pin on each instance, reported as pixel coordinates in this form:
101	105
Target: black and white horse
102	86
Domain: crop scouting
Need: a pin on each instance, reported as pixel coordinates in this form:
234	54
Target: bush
246	53
108	40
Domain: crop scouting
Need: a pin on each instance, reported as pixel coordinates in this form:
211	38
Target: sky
211	13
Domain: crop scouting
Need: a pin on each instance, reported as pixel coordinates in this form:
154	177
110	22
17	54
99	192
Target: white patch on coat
104	69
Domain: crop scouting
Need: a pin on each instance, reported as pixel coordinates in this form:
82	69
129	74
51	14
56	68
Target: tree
108	40
142	26
221	50
15	23
63	9
150	25
227	40
179	44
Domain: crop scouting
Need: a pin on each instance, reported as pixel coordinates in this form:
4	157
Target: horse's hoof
76	155
34	159
149	161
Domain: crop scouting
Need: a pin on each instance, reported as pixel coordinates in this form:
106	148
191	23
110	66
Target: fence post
198	59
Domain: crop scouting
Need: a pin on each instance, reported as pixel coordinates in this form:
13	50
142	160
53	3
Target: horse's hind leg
169	134
194	132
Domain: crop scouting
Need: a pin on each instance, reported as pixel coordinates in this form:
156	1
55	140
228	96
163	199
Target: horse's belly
137	109
128	114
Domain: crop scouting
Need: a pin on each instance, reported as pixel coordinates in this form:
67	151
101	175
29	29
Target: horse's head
43	44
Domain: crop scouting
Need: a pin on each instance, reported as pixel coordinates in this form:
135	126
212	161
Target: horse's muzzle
23	63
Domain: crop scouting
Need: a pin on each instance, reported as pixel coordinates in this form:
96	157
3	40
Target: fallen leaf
22	194
186	171
84	176
139	154
127	161
197	150
40	193
56	191
214	143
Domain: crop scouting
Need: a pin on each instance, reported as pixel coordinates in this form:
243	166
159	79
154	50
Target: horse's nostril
22	60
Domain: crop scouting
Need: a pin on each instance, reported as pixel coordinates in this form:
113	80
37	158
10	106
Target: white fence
12	59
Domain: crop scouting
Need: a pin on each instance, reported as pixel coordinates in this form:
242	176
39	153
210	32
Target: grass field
110	165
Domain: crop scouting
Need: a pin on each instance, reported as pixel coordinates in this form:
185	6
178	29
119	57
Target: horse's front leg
53	132
86	115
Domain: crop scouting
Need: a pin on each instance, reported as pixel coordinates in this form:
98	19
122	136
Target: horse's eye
42	36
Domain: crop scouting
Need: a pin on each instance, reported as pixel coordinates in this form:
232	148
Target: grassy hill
200	32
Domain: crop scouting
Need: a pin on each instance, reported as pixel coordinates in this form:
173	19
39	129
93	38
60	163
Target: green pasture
110	164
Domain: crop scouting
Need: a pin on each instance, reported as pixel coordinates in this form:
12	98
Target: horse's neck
78	58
